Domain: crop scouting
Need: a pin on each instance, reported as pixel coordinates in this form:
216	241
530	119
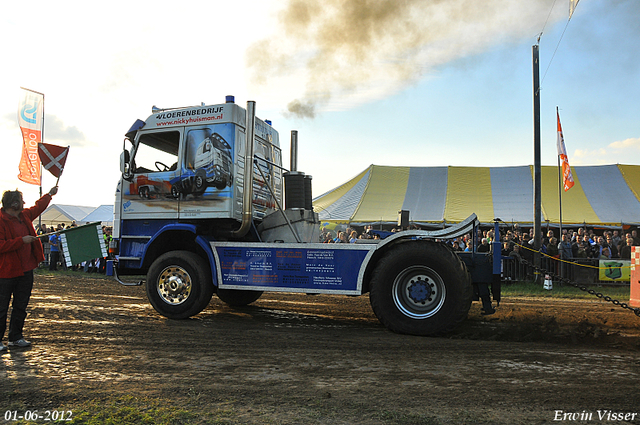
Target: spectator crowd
573	244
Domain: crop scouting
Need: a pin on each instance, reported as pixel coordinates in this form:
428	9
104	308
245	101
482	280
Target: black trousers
20	288
54	257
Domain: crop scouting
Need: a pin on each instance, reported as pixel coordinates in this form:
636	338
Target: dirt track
324	360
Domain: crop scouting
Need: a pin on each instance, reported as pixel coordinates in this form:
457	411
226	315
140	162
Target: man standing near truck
20	253
54	253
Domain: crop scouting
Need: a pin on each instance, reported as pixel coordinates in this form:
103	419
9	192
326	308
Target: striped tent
602	195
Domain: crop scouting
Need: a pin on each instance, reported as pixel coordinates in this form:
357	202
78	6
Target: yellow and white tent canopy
602	195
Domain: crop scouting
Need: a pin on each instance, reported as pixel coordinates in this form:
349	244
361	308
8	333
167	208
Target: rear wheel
238	297
179	284
420	288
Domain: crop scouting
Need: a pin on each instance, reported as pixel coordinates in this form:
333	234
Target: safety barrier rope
553	275
560	260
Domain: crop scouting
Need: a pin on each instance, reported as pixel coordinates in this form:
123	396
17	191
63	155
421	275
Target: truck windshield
157	151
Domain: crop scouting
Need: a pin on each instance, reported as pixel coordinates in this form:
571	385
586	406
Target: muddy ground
297	359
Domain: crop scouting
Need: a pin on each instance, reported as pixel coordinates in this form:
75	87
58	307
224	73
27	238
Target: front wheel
179	284
420	288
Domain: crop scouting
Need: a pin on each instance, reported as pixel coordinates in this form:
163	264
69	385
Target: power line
554	52
545	22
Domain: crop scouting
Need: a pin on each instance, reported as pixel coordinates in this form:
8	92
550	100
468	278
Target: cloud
55	130
365	50
632	143
589	156
10	117
625	151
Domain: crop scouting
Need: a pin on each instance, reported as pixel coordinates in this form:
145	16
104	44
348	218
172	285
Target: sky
385	82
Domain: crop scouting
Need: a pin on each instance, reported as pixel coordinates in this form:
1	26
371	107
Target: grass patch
524	289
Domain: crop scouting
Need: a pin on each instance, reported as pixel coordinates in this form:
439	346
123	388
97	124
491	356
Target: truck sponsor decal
189	112
291	269
189	120
189	116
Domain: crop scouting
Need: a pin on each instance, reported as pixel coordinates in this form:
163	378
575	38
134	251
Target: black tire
175	191
237	297
200	182
421	288
143	192
179	284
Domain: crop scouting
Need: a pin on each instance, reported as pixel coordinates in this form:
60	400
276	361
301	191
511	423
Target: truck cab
186	166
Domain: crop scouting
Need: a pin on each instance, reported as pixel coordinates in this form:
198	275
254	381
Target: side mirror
125	166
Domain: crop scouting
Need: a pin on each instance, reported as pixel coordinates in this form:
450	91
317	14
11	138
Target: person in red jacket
20	253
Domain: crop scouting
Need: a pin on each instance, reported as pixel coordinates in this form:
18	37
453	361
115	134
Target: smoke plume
352	51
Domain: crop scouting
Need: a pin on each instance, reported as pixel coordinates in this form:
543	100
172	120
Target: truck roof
210	114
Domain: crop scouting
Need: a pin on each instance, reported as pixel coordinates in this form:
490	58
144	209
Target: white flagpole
41	140
560	184
560	190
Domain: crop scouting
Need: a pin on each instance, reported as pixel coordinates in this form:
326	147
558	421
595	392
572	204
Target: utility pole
537	178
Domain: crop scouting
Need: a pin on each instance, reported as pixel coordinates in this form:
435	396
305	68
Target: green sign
82	243
614	270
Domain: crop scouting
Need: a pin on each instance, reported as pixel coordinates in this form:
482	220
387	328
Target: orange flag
567	177
31	121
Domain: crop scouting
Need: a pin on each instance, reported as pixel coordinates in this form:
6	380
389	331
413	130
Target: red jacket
13	261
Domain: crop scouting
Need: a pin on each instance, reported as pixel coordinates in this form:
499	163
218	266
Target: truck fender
206	247
200	241
386	245
164	229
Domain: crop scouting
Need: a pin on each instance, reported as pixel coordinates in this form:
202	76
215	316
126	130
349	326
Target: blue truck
252	228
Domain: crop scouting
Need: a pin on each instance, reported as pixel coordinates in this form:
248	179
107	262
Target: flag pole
560	189
40	162
560	192
61	170
560	185
41	141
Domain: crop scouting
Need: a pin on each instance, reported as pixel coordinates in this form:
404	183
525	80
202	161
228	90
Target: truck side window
157	152
198	145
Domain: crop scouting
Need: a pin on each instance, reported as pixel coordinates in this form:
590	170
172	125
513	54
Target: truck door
207	177
152	191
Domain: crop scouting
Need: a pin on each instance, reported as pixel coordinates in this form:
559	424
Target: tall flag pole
31	121
565	178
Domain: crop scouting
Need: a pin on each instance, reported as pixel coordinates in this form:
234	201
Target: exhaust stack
247	194
294	150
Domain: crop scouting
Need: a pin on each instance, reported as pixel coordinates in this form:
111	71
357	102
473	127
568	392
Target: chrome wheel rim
174	285
419	292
